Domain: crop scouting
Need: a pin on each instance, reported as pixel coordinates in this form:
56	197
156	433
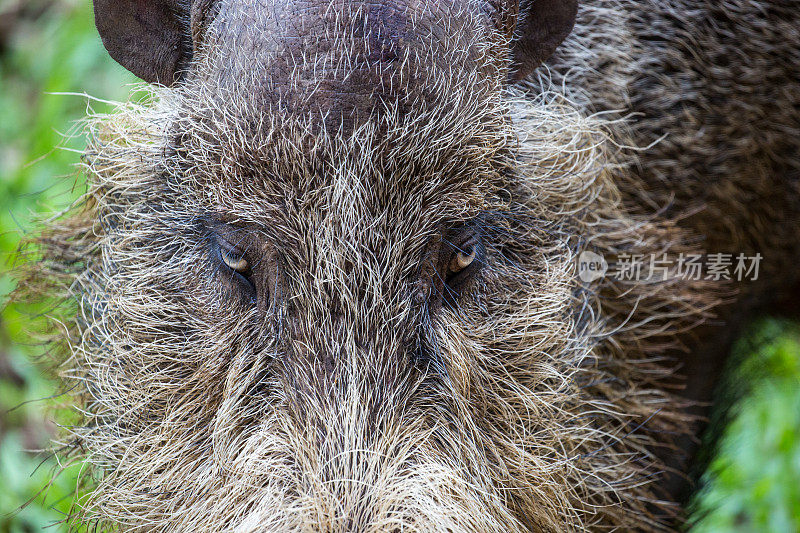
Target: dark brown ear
541	26
151	38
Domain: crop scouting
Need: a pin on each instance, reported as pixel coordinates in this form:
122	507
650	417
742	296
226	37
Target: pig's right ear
540	27
151	38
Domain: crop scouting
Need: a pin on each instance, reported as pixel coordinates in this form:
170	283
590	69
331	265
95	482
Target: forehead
344	105
439	163
343	58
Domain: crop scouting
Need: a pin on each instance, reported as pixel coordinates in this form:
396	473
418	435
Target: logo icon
591	266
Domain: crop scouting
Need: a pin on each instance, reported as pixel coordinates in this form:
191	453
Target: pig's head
326	277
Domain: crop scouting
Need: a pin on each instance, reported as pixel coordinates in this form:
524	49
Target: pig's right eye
237	264
236	267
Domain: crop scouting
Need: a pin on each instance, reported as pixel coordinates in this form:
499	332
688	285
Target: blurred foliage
45	47
752	484
753	481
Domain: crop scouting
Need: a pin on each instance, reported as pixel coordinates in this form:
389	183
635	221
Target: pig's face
330	289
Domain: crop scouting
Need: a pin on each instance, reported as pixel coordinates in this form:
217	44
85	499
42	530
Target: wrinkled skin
326	279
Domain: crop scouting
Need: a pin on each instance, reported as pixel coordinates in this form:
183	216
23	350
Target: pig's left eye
465	254
463	258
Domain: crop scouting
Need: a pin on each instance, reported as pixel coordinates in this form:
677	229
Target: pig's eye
237	267
464	259
237	264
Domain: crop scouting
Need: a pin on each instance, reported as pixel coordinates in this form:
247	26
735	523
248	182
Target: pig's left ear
151	38
541	25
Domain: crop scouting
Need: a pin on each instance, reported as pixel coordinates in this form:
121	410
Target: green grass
56	51
752	484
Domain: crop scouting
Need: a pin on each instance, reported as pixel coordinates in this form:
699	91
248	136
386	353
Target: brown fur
354	397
